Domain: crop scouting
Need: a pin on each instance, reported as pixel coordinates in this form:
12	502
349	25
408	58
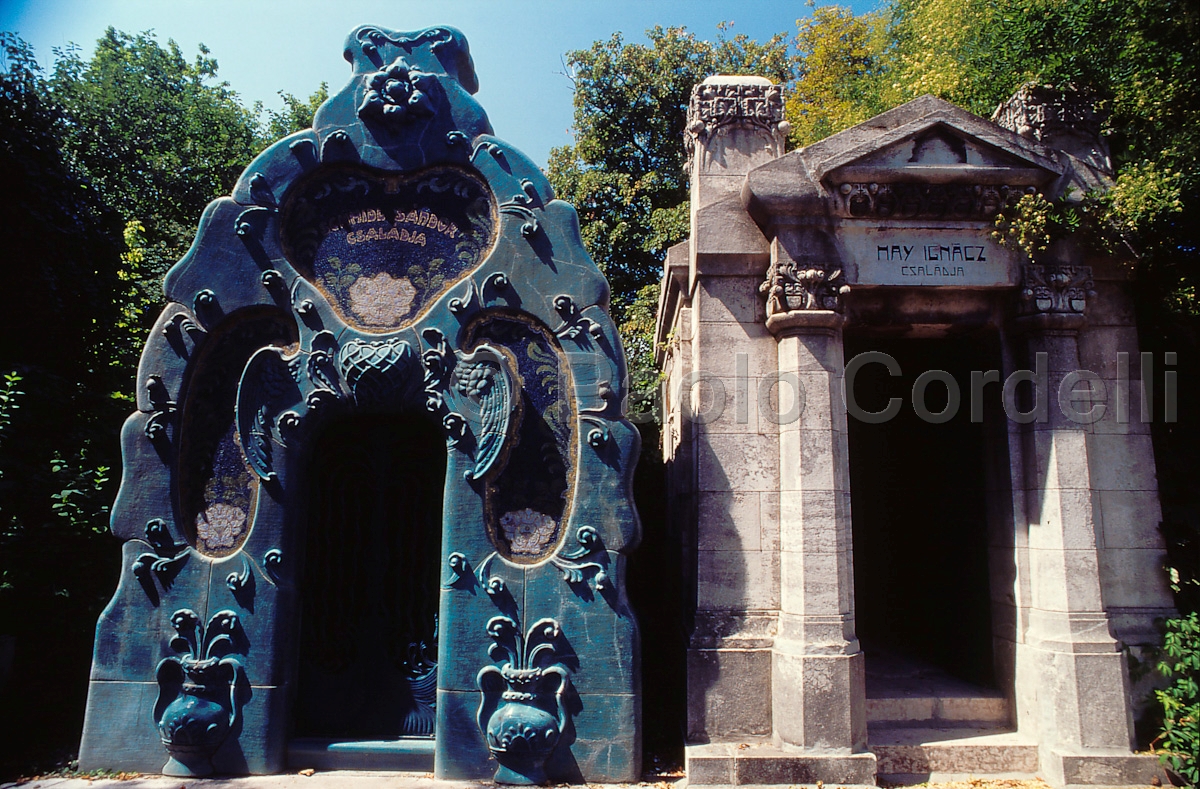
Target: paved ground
323	780
346	779
339	779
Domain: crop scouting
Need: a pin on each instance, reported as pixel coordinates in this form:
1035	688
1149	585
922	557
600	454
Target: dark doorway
919	499
368	635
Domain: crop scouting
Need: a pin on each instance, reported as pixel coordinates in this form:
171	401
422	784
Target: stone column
818	692
1078	667
733	126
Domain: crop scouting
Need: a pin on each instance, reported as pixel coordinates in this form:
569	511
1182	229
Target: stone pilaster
1081	708
733	125
818	692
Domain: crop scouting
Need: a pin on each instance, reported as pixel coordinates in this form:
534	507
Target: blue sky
265	46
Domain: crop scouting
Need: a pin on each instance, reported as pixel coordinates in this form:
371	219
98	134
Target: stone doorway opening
929	504
367	678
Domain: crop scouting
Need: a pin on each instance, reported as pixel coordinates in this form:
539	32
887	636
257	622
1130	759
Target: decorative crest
1057	289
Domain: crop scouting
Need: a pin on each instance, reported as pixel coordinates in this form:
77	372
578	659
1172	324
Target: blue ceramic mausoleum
376	495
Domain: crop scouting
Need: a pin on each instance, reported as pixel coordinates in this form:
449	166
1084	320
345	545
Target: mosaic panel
382	248
528	500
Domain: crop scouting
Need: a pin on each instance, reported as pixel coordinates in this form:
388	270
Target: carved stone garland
935	201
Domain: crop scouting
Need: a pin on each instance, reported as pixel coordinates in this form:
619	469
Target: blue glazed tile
145	492
134	632
171	346
461	753
258	745
265	179
607	745
132	746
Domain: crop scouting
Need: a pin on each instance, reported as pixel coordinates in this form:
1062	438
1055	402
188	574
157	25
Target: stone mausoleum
376	496
913	466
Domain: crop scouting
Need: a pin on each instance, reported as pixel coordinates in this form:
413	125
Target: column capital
721	101
1056	288
801	297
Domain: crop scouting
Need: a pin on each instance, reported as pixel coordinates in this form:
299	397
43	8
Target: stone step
755	761
913	751
407	754
940	711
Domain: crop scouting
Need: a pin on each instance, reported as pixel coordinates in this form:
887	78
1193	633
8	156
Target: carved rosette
398	94
1056	289
789	288
716	105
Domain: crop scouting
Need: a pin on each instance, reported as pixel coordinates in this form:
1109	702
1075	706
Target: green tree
154	134
107	166
296	114
625	172
1137	60
59	302
842	61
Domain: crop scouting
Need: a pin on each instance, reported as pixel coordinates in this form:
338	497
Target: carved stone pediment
933	170
944	164
926	159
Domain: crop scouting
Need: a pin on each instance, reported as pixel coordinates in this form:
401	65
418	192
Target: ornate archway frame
537	641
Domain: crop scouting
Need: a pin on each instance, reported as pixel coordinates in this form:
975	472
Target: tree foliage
153	133
107	164
840	67
625	172
296	114
57	431
1137	60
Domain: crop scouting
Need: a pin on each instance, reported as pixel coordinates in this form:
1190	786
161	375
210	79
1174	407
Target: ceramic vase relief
200	692
522	713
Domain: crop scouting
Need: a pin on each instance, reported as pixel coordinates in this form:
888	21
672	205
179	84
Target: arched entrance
369	588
